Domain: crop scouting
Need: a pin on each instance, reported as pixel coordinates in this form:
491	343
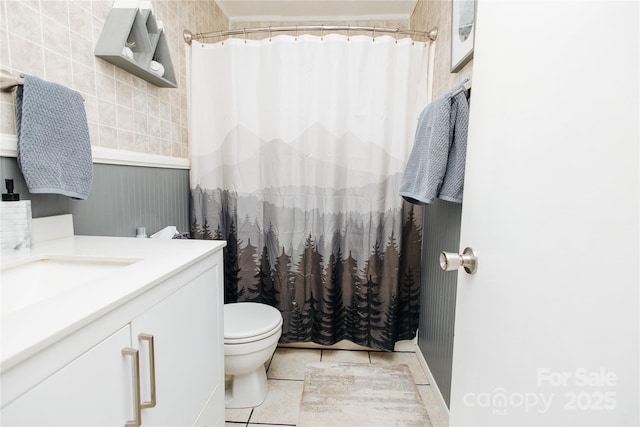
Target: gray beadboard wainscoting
438	291
121	199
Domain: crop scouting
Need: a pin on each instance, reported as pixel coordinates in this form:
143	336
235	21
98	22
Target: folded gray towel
428	162
54	150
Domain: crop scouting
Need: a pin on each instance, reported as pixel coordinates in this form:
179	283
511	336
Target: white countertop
28	330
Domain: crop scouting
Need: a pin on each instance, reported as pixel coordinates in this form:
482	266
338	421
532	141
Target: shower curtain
298	145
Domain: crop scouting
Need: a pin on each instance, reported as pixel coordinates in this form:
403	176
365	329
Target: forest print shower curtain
298	145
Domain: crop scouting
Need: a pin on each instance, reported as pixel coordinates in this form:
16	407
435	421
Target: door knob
468	259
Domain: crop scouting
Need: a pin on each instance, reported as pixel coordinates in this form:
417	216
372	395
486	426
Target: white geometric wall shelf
134	40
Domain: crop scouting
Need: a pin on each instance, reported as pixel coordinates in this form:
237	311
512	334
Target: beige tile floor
285	374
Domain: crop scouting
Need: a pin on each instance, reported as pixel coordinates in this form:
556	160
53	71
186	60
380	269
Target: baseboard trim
432	382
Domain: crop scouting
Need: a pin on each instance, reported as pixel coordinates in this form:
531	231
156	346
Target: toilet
251	334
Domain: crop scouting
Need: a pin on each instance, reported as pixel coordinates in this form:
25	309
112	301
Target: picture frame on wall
463	17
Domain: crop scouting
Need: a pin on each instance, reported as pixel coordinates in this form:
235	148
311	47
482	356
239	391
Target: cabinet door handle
127	351
152	370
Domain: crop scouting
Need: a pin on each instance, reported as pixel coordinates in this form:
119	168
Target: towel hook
8	81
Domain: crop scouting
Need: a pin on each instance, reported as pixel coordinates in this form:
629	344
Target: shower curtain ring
348	32
244	31
296	33
322	32
269	32
373	35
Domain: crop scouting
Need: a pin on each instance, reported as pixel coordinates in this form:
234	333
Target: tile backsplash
55	39
430	14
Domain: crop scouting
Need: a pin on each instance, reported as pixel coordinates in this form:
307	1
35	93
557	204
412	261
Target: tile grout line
250	415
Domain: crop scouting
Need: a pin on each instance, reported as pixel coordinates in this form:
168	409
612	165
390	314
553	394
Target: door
546	331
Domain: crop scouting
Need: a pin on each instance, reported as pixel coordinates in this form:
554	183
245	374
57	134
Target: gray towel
54	150
439	131
453	181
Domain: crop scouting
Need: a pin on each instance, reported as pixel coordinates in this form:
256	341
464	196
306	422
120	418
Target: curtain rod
189	36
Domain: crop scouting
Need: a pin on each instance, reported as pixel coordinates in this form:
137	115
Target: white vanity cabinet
176	326
186	347
94	389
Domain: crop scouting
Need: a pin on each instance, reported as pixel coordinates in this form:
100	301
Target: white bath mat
351	394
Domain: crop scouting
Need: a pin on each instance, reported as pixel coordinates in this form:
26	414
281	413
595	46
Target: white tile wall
54	40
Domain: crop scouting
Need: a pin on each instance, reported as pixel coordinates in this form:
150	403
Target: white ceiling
315	10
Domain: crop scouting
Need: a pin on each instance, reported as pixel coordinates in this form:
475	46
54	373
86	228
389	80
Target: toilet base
246	390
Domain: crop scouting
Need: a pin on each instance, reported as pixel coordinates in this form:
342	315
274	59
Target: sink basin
33	280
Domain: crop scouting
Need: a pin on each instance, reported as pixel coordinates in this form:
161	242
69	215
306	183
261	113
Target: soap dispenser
10	196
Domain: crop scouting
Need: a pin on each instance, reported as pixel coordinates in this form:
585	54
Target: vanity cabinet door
188	352
94	389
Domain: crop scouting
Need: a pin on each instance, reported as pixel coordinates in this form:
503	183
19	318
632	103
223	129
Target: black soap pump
10	196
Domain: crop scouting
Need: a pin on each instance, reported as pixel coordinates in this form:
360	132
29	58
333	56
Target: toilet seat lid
249	319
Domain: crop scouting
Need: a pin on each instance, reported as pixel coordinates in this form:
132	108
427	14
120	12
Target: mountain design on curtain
339	263
298	146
